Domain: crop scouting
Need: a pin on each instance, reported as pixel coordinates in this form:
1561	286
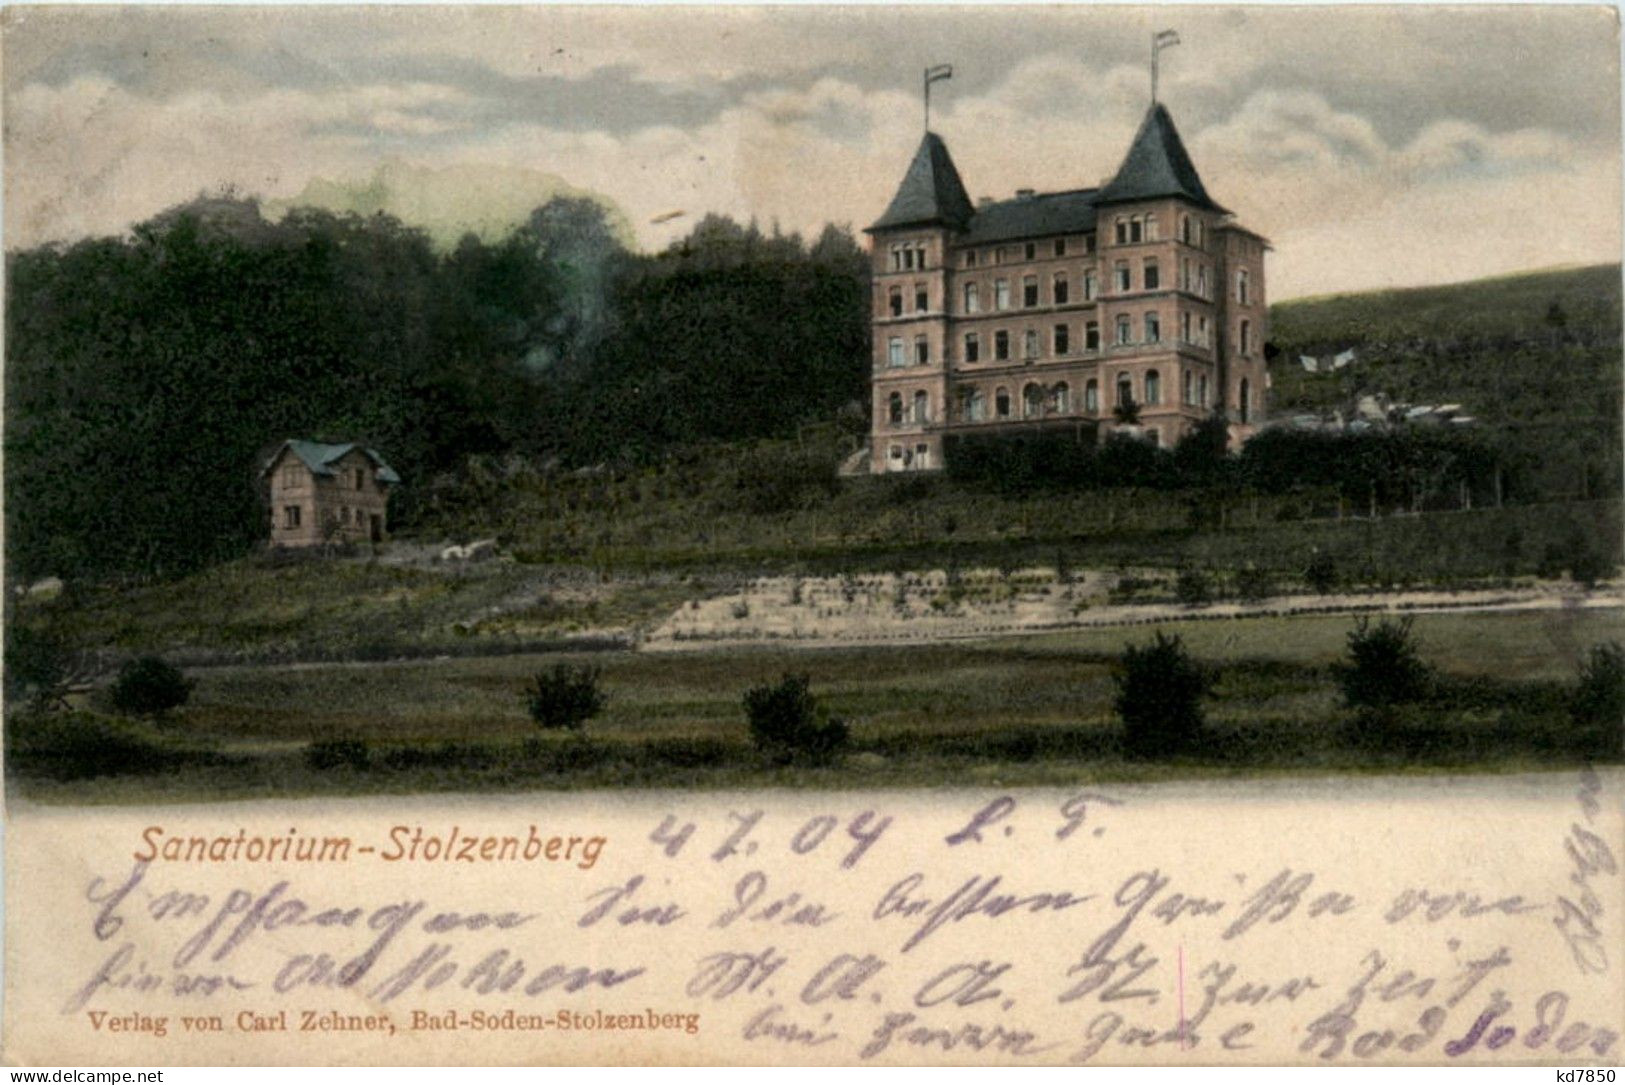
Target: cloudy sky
1374	146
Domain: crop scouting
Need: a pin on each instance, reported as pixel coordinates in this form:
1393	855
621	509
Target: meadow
1017	711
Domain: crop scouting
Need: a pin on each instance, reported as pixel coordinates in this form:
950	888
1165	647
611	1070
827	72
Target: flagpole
928	99
1154	51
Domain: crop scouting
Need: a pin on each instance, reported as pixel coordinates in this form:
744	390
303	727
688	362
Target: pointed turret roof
1157	166
931	192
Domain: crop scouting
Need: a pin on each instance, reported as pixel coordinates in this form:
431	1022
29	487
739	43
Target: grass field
1025	711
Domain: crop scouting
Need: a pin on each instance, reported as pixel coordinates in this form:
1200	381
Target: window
894	351
1031	251
1058	289
1122	231
1185	229
998	255
1029	291
1091	335
1197	227
922	350
1120	278
1091	397
1125	390
1063	340
973	347
1151	233
1089	243
1184	327
1201	280
971	404
1001	294
1246	337
1153	328
1001	403
360	478
1125	334
290	516
922	457
1201	331
1152	279
921	298
1029	344
1241	286
1153	386
1001	346
922	407
1060	399
1244	401
970	258
1201	390
896	454
895	297
973	303
1136	230
1060	246
1190	388
1185	274
1090	286
894	409
1032	401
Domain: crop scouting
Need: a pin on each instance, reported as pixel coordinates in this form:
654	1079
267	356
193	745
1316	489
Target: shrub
1192	588
149	686
1588	564
1253	584
78	745
334	753
1321	572
565	697
788	724
1597	705
1385	667
1159	695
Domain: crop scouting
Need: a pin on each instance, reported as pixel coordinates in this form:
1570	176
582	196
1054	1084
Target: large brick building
1051	309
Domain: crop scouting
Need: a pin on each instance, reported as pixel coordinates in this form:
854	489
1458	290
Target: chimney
1024	193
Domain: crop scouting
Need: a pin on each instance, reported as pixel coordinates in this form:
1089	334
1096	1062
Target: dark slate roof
320	458
1157	166
931	191
1032	216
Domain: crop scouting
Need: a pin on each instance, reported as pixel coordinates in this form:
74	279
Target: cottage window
973	347
1001	346
1058	289
290	516
894	298
1153	386
1029	291
1001	294
1063	339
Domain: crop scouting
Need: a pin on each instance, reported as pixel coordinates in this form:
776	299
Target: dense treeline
146	376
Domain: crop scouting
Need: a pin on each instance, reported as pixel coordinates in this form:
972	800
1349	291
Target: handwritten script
1084	926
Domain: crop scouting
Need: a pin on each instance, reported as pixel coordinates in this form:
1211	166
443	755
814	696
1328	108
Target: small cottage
322	493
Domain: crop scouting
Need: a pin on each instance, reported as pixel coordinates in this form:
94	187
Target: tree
1384	666
1321	572
788	724
150	686
565	697
1159	695
1597	705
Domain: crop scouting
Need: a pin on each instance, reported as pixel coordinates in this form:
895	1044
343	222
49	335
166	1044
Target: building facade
326	493
1052	310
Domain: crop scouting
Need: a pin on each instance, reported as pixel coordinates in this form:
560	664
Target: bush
77	745
334	753
1253	584
1597	705
1192	588
565	697
1385	667
1321	572
788	724
149	686
1159	694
